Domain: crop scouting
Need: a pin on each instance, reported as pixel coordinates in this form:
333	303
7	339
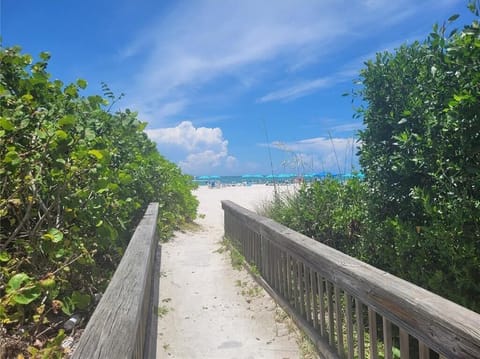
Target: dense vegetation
417	213
74	181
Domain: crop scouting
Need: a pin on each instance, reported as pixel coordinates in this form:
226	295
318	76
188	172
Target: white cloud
297	90
198	150
307	87
348	127
336	155
198	42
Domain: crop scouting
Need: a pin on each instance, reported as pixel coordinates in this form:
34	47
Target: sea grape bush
74	181
421	158
417	213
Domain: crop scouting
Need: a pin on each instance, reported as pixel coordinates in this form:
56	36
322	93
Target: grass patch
162	311
190	227
236	258
247	290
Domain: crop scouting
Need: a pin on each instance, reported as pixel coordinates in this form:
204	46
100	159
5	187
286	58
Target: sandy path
203	312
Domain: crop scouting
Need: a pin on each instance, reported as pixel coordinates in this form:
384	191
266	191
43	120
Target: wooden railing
118	327
347	307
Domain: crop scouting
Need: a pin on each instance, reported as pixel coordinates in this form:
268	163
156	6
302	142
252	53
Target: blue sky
215	79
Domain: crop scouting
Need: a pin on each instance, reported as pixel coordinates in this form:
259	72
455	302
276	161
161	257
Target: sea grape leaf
81	301
54	235
96	153
16	281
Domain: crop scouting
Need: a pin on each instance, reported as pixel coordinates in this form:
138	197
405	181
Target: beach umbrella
203	177
214	177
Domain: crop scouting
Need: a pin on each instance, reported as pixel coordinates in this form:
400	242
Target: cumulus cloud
198	150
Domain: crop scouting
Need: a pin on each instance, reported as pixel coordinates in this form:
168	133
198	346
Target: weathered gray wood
289	279
331	321
404	345
349	320
372	330
281	266
339	321
360	329
273	252
278	268
284	274
118	324
301	288
442	325
313	284
321	299
387	338
296	284
424	352
308	295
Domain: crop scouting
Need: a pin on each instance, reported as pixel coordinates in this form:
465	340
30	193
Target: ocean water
269	179
232	180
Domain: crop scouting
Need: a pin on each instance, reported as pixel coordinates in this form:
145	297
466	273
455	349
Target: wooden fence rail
118	326
347	307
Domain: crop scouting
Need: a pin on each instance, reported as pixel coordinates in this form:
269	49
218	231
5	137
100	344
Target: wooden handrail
340	300
118	326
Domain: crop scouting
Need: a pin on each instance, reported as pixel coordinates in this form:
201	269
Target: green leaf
81	301
28	295
4	256
27	97
89	134
16	281
96	153
67	120
45	56
54	235
12	157
453	17
71	90
61	134
67	306
6	124
82	83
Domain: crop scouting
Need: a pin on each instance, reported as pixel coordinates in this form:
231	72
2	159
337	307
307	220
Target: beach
208	308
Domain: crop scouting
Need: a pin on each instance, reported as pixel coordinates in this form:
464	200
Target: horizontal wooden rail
349	308
118	326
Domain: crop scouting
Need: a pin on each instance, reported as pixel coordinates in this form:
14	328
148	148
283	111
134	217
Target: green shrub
418	211
75	180
330	211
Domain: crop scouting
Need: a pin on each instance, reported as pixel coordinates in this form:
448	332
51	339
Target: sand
207	309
